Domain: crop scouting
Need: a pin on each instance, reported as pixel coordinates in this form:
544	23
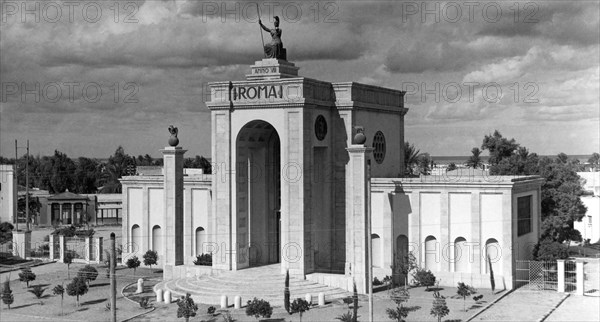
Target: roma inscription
257	92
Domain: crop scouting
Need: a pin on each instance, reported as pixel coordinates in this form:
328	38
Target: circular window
320	127
379	146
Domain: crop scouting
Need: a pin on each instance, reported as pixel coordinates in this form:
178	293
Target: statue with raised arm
275	48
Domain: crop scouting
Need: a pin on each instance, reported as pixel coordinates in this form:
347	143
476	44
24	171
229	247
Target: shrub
425	278
377	282
286	292
7	296
440	308
88	273
299	306
549	250
59	290
144	302
346	317
38	291
186	307
204	259
465	290
211	310
150	258
26	275
134	263
68	259
399	296
227	317
258	308
348	300
77	288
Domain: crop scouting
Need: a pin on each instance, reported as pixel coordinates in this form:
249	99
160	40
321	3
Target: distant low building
8	193
589	226
69	208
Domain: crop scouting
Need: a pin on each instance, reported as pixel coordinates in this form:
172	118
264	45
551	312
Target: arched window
157	239
376	247
493	254
461	255
431	253
136	239
200	240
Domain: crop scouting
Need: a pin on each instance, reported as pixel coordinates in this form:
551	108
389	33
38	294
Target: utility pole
17	187
26	186
369	242
27	223
113	279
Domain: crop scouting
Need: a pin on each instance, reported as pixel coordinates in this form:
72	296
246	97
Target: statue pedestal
271	68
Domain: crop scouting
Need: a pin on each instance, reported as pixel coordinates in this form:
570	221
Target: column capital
173	150
359	148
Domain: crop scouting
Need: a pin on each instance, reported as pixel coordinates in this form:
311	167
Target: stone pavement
522	305
577	308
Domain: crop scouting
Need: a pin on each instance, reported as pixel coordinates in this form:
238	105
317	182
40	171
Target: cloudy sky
88	76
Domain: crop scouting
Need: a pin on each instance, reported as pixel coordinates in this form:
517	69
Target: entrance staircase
264	282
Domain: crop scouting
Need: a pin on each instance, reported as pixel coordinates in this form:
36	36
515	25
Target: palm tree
411	158
474	160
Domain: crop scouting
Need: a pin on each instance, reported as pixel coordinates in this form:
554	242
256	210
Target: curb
489	305
554	308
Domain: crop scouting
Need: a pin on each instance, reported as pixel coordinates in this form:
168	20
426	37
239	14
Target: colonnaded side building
298	166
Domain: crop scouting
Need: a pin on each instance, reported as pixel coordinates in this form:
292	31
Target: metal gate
535	275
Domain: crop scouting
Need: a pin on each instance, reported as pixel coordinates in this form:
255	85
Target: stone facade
289	186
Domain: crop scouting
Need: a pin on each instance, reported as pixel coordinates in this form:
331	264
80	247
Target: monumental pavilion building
305	173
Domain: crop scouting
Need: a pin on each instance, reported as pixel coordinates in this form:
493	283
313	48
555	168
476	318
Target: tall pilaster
173	194
357	215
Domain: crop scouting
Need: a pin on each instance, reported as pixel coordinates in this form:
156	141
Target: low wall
185	271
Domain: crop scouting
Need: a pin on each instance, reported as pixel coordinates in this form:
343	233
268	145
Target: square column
561	275
173	202
357	215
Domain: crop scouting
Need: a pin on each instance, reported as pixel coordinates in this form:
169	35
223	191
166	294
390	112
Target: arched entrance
258	194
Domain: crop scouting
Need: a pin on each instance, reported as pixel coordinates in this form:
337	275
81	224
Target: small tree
407	264
399	296
186	307
355	303
299	306
88	273
286	292
150	258
134	263
440	308
258	308
38	291
492	281
465	290
7	296
77	288
26	275
68	259
425	278
60	290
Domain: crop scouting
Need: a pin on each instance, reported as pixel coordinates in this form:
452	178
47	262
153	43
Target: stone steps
261	282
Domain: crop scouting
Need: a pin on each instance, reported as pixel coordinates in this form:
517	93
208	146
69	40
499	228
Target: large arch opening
258	194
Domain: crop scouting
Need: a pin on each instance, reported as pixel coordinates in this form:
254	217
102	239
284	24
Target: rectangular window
523	215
